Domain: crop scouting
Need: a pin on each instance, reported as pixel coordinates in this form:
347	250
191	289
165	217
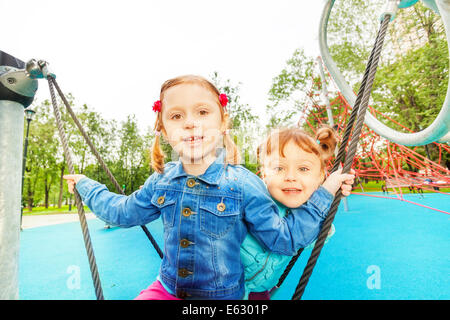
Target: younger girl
207	202
292	167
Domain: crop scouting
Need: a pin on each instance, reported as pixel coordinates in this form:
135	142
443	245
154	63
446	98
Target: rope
100	160
287	270
81	215
359	110
341	152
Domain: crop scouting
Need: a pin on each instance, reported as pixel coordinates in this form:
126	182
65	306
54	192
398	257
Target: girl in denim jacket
292	167
206	200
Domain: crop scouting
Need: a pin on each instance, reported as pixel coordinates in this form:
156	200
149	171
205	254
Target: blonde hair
322	145
157	155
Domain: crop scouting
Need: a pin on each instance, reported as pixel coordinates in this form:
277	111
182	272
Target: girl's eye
303	169
203	112
176	116
278	169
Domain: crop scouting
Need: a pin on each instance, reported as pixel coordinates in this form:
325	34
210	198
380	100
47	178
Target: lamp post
29	113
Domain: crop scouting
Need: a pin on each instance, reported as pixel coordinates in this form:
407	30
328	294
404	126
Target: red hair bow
157	106
223	99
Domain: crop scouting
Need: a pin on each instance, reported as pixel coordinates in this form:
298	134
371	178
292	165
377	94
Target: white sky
114	55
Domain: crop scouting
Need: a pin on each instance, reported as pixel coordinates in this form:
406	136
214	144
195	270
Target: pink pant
155	292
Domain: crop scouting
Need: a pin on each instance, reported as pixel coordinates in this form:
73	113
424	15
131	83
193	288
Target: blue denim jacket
206	218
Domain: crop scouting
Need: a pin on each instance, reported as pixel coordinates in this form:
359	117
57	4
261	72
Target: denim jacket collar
211	176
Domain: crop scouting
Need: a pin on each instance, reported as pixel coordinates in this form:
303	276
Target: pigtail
232	152
157	156
259	153
327	140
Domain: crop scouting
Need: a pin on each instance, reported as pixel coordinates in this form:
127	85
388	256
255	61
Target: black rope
100	160
287	270
359	111
339	157
81	214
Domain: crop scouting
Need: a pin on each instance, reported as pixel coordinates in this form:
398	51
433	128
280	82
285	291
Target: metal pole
17	92
11	144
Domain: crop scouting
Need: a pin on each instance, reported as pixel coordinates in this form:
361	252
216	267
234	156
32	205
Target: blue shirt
263	268
206	219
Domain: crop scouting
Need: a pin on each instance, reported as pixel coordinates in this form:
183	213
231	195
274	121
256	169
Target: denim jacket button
186	212
160	200
184	272
221	207
190	183
184	243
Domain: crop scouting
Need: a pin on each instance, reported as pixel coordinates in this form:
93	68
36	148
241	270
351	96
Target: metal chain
81	214
361	112
100	160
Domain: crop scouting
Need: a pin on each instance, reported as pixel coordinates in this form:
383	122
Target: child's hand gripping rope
337	180
72	180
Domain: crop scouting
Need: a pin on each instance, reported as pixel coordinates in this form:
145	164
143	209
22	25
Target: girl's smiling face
292	179
192	122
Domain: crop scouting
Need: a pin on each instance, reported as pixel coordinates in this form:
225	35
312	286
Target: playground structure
18	84
393	165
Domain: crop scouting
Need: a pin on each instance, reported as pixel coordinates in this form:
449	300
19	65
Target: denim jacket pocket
218	215
165	201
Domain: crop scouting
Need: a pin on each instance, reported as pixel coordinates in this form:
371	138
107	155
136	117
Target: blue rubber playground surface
382	249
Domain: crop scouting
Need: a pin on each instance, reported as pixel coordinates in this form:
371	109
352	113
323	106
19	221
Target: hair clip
223	99
318	141
157	106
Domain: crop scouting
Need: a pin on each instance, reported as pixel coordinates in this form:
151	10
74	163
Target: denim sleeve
294	231
116	209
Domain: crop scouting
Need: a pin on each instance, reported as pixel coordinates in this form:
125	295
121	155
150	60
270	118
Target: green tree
46	163
412	78
288	95
101	134
412	88
244	123
132	155
351	34
42	171
413	73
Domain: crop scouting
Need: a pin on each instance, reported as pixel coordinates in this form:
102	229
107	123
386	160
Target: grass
52	210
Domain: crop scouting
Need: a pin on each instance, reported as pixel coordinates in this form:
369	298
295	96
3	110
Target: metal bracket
16	85
390	9
38	69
